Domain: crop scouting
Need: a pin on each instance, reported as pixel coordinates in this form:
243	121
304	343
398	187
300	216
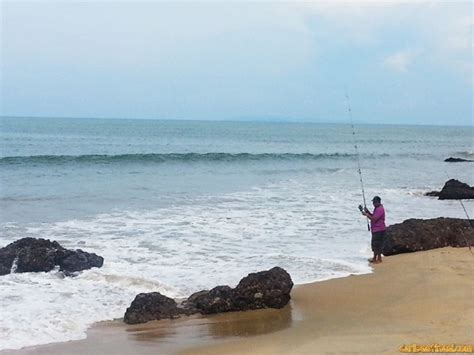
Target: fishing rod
357	155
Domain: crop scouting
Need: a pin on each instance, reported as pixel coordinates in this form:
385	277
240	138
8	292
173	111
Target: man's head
376	201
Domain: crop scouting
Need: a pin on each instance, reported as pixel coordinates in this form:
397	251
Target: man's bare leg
374	259
378	259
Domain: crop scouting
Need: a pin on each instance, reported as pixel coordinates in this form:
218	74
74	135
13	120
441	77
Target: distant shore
423	298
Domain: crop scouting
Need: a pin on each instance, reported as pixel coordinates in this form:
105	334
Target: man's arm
368	214
374	217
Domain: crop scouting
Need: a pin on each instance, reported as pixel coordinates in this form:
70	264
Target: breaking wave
163	158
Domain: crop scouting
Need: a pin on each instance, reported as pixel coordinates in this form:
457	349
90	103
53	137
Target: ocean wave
465	153
163	158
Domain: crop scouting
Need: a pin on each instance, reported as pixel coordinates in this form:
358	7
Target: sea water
181	206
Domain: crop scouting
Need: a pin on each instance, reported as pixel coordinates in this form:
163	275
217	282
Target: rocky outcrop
151	306
458	160
42	255
418	234
219	299
454	190
189	305
77	260
265	289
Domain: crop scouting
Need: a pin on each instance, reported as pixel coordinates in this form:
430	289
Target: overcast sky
400	62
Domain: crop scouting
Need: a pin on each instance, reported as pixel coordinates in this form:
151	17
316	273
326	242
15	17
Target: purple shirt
377	223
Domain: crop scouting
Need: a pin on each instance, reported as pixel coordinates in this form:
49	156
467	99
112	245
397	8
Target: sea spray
14	266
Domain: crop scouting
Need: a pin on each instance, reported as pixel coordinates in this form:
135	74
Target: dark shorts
378	241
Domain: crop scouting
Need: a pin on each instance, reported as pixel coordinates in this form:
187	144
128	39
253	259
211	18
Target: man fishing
377	226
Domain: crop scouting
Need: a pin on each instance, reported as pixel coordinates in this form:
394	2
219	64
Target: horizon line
243	120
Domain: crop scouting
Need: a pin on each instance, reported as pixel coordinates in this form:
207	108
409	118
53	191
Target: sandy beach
212	177
423	298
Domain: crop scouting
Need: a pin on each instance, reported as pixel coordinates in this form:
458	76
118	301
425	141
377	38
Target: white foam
14	265
315	234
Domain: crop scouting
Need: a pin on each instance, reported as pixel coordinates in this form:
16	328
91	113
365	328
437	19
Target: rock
73	261
217	300
454	190
31	259
196	296
418	234
42	255
31	255
151	306
4	270
457	160
189	305
265	289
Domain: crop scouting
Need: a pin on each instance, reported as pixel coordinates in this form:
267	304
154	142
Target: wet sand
425	297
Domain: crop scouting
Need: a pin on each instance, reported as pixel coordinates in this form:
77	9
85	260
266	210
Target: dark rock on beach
189	305
265	289
42	255
217	300
418	234
458	160
454	190
151	306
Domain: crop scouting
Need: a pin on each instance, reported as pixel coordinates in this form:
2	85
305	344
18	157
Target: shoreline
403	301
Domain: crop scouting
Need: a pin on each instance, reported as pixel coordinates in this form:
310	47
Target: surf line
349	109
